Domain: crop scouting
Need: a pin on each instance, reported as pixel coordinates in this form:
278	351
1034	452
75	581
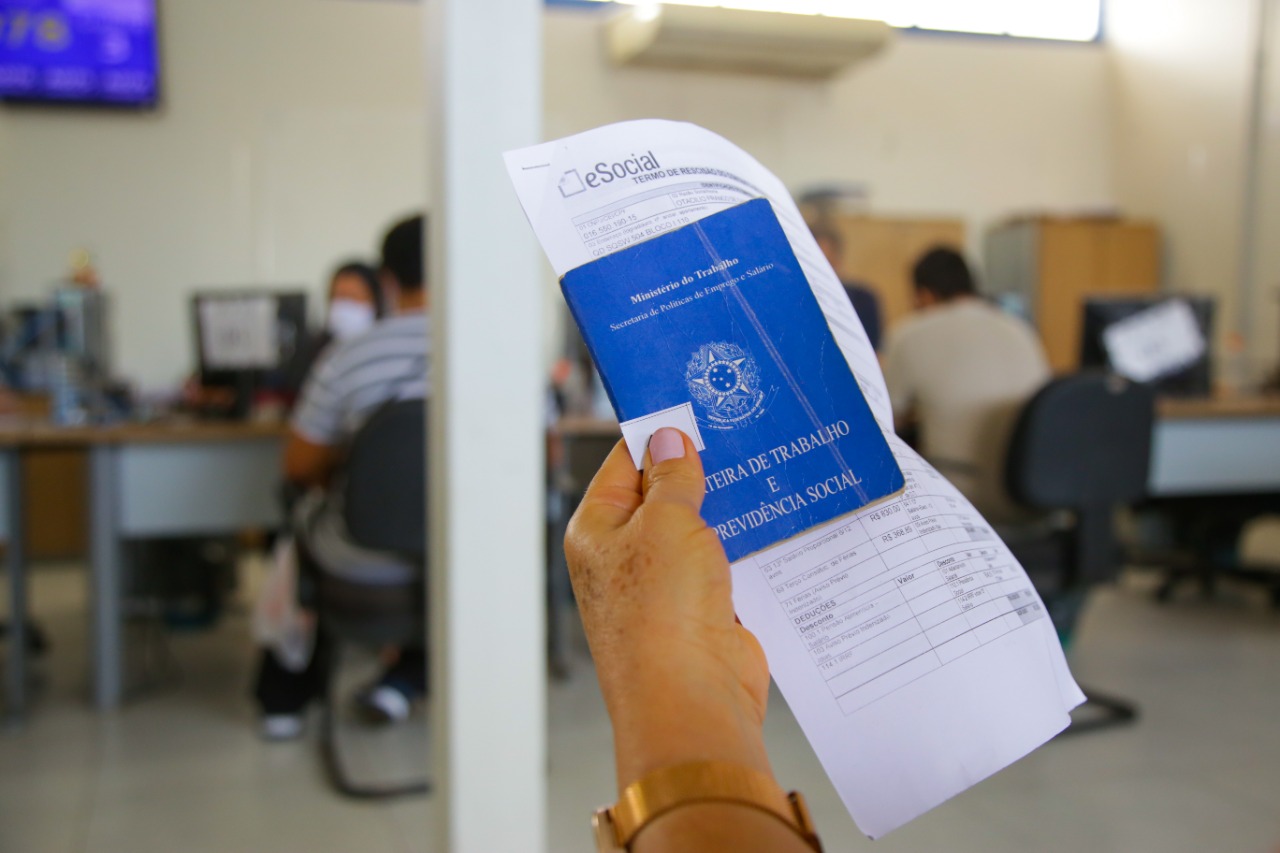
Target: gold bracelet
669	788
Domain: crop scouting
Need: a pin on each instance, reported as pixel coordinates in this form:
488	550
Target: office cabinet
56	483
1054	265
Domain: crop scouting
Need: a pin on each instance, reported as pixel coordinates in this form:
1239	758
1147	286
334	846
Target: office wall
950	125
1181	71
5	182
291	132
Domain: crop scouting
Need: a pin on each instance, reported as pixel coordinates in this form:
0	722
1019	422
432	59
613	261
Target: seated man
961	370
351	381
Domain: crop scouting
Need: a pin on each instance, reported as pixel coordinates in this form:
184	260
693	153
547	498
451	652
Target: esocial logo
571	183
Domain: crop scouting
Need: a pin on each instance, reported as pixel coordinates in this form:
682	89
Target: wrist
706	805
666	721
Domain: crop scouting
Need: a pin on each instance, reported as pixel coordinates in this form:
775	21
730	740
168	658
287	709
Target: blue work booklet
716	318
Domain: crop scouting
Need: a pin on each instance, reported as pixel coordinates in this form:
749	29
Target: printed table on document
648	214
907	587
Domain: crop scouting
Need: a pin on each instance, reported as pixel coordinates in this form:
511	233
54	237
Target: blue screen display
79	51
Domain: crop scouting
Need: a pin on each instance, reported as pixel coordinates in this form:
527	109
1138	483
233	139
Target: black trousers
283	691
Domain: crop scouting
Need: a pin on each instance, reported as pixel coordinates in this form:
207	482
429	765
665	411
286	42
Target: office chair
385	510
584	452
37	639
1082	444
1208	538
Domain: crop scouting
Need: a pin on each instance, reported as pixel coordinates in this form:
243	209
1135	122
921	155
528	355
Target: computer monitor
244	337
1193	379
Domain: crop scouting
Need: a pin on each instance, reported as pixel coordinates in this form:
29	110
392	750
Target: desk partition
1215	456
1216	446
187	489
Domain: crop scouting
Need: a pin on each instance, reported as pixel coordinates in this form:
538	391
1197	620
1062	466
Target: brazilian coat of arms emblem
725	381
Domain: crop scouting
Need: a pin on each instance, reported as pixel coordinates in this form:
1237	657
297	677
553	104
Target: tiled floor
180	768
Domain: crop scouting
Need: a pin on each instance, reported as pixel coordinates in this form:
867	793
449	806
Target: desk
1208	446
165	479
1205	447
1216	446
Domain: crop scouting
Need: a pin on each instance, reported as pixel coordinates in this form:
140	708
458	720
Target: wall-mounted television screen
79	51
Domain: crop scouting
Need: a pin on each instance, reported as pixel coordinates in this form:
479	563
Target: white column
485	456
1250	203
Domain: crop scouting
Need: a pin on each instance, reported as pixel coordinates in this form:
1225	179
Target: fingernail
666	443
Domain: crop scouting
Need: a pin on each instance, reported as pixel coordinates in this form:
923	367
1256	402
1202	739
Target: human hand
681	678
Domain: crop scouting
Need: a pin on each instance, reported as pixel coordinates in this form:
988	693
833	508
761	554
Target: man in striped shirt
350	382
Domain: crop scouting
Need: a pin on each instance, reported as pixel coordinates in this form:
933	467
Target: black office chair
385	503
584	453
1206	534
1082	444
37	639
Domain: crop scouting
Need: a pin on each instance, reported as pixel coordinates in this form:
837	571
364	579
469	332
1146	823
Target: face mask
348	318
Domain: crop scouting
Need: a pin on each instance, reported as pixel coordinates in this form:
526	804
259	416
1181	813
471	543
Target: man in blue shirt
865	303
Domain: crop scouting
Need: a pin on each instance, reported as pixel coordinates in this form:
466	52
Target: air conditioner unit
719	39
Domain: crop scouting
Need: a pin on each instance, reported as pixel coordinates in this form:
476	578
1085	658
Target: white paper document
1161	340
907	640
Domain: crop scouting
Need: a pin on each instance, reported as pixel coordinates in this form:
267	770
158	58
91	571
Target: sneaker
278	727
384	703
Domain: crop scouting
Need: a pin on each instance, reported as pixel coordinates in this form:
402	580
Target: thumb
673	471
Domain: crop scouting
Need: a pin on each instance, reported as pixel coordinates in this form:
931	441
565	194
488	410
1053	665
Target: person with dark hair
355	302
404	254
941	275
388	361
864	300
959	371
352	379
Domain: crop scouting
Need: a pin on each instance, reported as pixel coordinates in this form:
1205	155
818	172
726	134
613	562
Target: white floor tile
180	766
